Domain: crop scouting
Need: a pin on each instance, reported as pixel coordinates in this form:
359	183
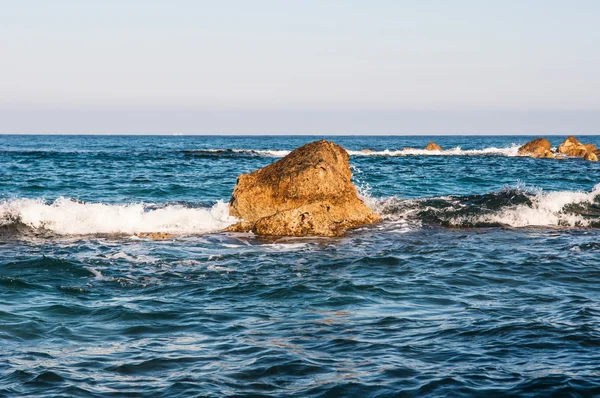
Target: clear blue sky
300	66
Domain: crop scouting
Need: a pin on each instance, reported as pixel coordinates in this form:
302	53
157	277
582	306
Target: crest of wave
457	151
536	208
546	209
66	216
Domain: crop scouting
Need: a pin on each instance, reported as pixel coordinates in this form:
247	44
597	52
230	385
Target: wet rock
538	148
242	226
548	155
367	151
591	156
308	192
571	147
154	235
432	146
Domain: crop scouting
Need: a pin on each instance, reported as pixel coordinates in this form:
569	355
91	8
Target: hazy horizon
300	67
293	122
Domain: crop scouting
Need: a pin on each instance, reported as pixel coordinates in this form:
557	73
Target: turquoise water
481	279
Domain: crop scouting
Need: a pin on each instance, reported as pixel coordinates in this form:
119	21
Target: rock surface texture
538	148
308	192
591	156
154	235
432	146
571	147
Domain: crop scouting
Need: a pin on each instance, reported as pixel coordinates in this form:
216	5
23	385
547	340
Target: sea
481	279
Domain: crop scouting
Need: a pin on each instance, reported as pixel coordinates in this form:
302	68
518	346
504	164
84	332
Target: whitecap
456	151
546	209
66	216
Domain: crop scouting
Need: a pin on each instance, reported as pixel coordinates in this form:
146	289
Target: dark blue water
482	278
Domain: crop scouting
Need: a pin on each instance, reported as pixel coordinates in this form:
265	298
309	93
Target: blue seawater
482	279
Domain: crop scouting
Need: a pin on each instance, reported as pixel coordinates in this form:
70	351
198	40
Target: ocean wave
66	216
510	207
456	151
236	153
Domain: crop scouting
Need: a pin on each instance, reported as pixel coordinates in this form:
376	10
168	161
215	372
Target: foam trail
266	152
547	209
66	216
457	151
513	207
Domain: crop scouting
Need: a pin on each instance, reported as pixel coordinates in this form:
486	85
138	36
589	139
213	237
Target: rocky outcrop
538	148
308	192
432	146
571	147
591	156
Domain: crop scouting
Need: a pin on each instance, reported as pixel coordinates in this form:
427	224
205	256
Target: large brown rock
538	148
432	146
308	192
571	147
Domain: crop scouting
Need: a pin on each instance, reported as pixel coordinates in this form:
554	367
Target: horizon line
302	134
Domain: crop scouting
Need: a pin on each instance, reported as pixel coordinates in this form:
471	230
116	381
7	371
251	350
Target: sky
300	67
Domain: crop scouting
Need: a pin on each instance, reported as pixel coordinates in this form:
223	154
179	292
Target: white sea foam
263	152
66	216
547	209
266	152
286	246
97	274
457	151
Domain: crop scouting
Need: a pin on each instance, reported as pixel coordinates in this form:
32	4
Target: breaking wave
457	151
66	216
509	207
208	153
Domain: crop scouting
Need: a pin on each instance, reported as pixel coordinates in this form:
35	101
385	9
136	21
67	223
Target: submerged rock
367	151
548	155
308	192
154	235
432	146
538	148
571	147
